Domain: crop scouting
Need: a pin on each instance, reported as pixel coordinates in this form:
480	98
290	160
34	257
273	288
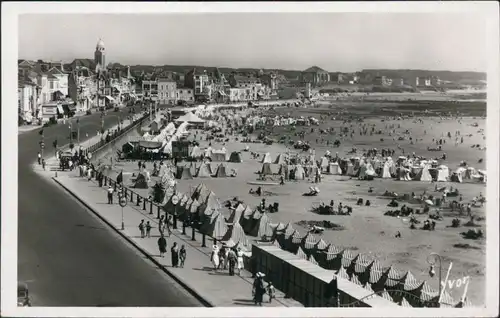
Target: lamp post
78	130
435	259
70	132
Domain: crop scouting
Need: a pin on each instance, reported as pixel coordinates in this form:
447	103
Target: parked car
23	298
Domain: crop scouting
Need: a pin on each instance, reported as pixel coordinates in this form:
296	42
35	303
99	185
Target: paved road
68	256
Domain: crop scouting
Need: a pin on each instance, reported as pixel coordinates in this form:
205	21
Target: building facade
200	83
315	75
185	94
167	91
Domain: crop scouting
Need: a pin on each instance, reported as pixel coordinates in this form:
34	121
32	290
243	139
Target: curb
186	286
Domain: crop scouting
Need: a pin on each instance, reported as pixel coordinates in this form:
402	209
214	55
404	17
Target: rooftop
315	69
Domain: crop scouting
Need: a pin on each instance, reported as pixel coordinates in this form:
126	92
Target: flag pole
444	283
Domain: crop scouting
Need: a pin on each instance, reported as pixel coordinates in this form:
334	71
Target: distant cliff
443	75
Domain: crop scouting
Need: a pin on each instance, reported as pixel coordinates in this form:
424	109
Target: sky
342	42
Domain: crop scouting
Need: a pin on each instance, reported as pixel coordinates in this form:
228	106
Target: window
51	85
189	92
190	98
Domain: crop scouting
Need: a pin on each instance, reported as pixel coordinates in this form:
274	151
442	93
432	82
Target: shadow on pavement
204	268
89	227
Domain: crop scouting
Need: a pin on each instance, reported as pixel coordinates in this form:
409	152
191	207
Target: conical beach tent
266	169
140	182
221	172
203	171
266	158
235	157
184	173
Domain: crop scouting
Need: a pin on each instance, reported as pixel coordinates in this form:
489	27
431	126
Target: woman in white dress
239	263
214	256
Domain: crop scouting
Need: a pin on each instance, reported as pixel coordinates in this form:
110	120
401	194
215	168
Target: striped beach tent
235	234
245	219
321	245
300	253
347	257
235	215
409	282
355	280
332	258
308	244
386	295
313	260
405	303
375	271
193	208
264	232
342	273
392	277
294	242
277	244
368	287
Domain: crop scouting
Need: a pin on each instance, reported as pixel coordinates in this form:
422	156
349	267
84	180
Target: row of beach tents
243	221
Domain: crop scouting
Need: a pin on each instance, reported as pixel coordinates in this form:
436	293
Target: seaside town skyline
287	46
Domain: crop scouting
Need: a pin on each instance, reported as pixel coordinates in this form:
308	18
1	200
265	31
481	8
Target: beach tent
350	169
190	118
140	182
335	169
235	157
299	173
246	219
459	175
264	229
221	172
204	171
218	155
235	215
443	173
184	173
386	170
425	175
280	159
366	172
266	169
235	235
404	174
324	164
266	158
196	152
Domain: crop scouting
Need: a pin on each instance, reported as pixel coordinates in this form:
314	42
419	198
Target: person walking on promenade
271	291
162	245
148	229
141	228
175	255
39	158
214	257
43	164
161	224
258	289
139	164
182	255
240	264
222	257
231	259
110	194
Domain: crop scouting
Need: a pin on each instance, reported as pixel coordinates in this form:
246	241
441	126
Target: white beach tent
299	172
443	173
266	158
386	170
324	164
335	169
425	175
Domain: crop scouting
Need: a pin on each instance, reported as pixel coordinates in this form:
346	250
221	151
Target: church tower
100	54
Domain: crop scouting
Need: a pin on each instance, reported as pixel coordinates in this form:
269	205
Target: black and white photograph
250	159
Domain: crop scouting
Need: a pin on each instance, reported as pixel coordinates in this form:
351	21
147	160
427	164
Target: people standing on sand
148	229
175	255
162	245
182	255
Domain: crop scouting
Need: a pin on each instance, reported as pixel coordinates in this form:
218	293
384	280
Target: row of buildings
317	77
210	86
48	89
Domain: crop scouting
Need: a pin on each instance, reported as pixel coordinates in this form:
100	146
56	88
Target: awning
150	144
111	99
60	109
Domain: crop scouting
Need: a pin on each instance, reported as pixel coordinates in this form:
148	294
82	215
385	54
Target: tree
158	192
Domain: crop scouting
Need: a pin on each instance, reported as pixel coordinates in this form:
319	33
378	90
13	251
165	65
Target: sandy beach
367	230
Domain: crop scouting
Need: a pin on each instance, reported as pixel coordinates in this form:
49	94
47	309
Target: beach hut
203	171
235	157
334	169
183	173
140	182
266	158
266	169
221	172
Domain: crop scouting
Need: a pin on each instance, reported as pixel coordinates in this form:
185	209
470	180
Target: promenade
215	288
